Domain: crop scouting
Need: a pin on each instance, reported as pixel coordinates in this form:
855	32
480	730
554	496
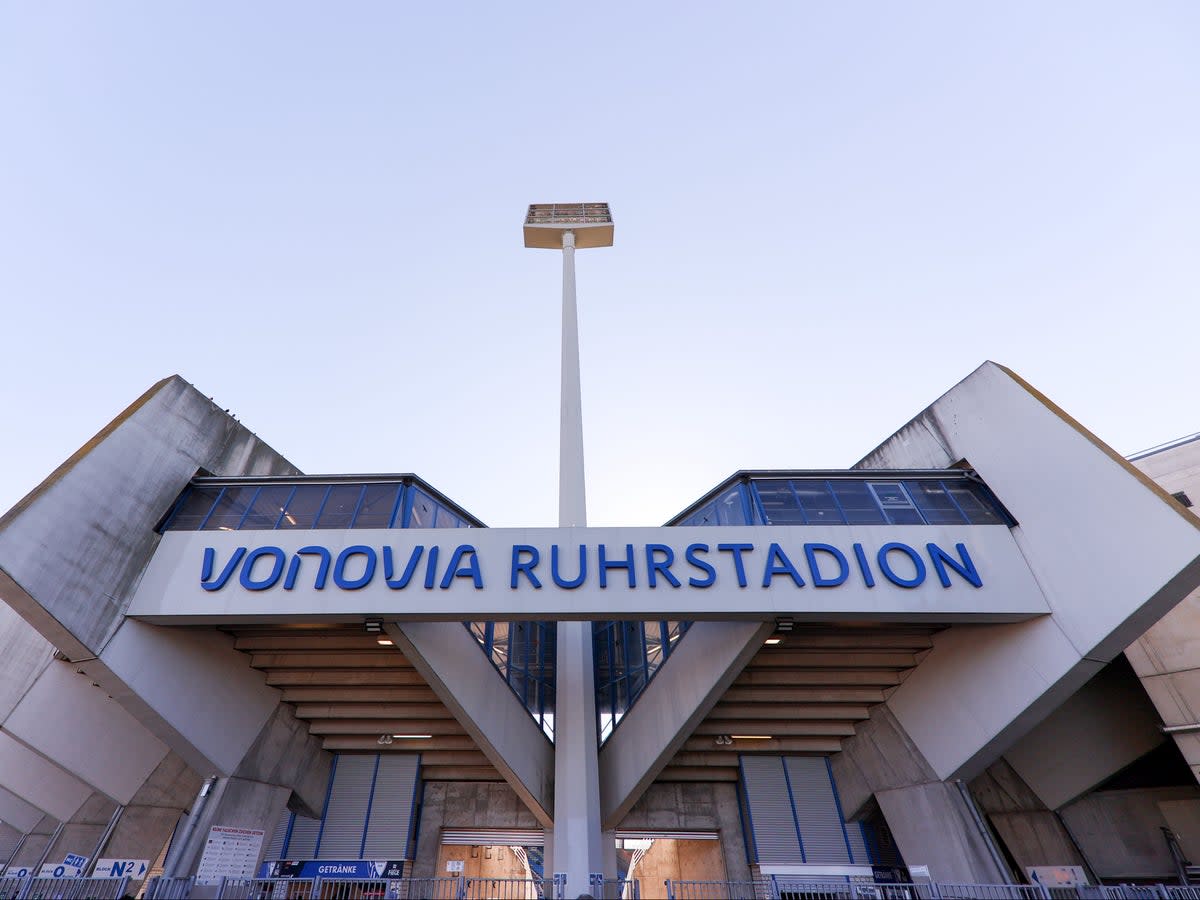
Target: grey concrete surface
1032	834
63	565
683	806
934	827
701	667
448	658
449	804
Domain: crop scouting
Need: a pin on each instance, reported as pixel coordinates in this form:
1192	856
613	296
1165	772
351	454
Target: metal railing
776	887
267	889
33	888
614	888
779	887
169	888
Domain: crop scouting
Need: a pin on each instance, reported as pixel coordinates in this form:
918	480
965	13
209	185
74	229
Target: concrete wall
1167	657
1120	831
469	804
1032	834
69	572
1106	725
1111	552
674	859
699	806
931	821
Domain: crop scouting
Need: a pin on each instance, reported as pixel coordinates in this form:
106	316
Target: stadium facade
972	652
970	657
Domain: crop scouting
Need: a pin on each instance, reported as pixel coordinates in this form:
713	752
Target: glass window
340	506
302	508
378	503
424	510
895	502
970	499
230	509
707	515
446	519
935	504
268	506
730	508
817	501
779	503
194	509
858	503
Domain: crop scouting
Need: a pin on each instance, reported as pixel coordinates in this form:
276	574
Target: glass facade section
949	499
283	505
524	653
627	654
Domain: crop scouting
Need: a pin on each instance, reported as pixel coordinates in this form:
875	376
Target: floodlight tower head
591	223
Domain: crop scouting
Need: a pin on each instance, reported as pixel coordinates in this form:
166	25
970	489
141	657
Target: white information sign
454	866
59	870
121	868
229	853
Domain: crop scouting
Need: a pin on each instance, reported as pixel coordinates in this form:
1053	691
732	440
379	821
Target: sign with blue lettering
946	573
334	868
134	869
59	870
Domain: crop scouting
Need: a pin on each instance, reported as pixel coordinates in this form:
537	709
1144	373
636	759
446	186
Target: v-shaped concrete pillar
448	657
691	681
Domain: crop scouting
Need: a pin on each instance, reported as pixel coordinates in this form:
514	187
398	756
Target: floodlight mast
577	845
569	226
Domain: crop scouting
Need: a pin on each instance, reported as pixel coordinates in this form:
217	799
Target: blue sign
333	868
699	565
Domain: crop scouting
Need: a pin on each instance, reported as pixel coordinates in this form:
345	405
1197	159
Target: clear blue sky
826	215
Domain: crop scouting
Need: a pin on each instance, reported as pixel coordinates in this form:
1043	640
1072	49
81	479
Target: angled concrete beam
1111	551
90	734
20	814
448	657
703	664
70	574
39	782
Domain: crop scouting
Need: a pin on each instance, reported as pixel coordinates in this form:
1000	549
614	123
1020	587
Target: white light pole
578	844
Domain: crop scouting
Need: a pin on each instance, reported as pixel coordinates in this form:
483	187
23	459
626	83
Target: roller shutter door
390	820
794	815
346	810
770	806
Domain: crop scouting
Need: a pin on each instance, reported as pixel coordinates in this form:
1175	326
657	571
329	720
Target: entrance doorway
653	858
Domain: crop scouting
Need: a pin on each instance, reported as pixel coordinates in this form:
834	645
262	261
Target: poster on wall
229	853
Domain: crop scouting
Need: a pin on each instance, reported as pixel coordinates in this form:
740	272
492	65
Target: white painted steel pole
578	843
572	502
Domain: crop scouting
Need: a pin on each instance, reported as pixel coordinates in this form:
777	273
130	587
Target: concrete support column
934	822
1033	834
83	832
934	825
36	843
578	845
234	803
10	839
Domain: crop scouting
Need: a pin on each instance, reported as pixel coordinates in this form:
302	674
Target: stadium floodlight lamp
591	224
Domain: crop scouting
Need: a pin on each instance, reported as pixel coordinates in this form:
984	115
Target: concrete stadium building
968	658
975	652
